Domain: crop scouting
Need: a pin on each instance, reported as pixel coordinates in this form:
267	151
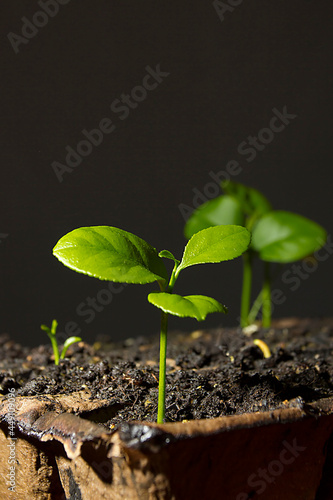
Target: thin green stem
258	302
174	276
246	289
163	350
266	297
162	374
55	348
255	309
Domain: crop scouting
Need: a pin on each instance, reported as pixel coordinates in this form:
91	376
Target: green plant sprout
111	254
263	347
52	335
277	236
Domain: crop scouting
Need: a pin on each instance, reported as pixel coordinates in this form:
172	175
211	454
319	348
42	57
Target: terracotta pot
285	454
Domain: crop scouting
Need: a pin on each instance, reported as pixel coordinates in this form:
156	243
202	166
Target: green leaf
250	199
215	244
220	210
52	330
168	255
67	344
283	237
192	306
54	327
111	254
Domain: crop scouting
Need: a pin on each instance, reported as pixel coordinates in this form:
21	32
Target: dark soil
210	372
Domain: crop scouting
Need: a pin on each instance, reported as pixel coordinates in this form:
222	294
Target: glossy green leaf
191	306
220	210
168	255
70	341
215	244
111	254
283	237
250	199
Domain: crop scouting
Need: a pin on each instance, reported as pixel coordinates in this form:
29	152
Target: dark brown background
225	79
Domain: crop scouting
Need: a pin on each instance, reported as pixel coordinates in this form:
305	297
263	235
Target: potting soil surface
210	373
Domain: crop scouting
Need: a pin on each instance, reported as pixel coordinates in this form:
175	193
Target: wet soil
210	373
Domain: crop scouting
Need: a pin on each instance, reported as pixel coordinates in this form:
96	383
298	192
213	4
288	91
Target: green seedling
277	236
111	254
52	335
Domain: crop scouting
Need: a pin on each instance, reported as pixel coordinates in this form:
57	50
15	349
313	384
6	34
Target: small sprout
109	253
52	335
263	347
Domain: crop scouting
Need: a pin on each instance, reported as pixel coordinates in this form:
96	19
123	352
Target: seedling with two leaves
277	236
111	254
52	333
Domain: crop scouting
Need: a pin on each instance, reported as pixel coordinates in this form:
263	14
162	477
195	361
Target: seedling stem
246	289
163	348
266	297
162	374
